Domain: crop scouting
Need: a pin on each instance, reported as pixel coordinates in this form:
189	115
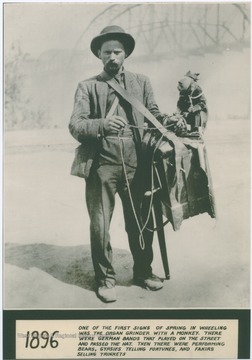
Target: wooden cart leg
161	236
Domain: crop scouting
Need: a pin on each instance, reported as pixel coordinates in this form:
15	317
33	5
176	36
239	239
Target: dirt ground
46	232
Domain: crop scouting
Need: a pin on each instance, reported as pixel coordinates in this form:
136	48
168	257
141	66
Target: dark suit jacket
89	112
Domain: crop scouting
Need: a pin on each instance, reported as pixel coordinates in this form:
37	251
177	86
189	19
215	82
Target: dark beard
112	68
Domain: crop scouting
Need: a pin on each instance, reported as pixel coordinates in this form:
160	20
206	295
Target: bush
20	110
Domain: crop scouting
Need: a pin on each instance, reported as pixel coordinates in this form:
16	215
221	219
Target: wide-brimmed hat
113	32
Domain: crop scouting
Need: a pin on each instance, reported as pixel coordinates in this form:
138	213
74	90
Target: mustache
112	62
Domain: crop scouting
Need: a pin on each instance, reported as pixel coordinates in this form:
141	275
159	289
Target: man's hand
114	124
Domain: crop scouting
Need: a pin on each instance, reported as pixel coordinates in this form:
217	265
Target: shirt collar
119	76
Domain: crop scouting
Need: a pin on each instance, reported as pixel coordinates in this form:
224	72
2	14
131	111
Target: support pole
161	236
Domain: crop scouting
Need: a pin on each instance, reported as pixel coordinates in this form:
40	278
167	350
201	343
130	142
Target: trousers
106	179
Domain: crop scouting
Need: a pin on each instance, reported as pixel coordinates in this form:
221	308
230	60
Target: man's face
112	54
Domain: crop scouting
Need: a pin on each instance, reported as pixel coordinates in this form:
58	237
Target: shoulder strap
143	110
170	136
136	103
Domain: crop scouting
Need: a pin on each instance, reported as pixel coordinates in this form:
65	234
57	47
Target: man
111	146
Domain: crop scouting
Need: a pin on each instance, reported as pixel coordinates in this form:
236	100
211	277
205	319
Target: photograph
126	179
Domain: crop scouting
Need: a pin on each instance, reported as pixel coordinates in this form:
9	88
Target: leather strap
170	136
142	109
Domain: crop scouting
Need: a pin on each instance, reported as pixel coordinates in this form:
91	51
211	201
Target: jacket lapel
134	88
101	90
